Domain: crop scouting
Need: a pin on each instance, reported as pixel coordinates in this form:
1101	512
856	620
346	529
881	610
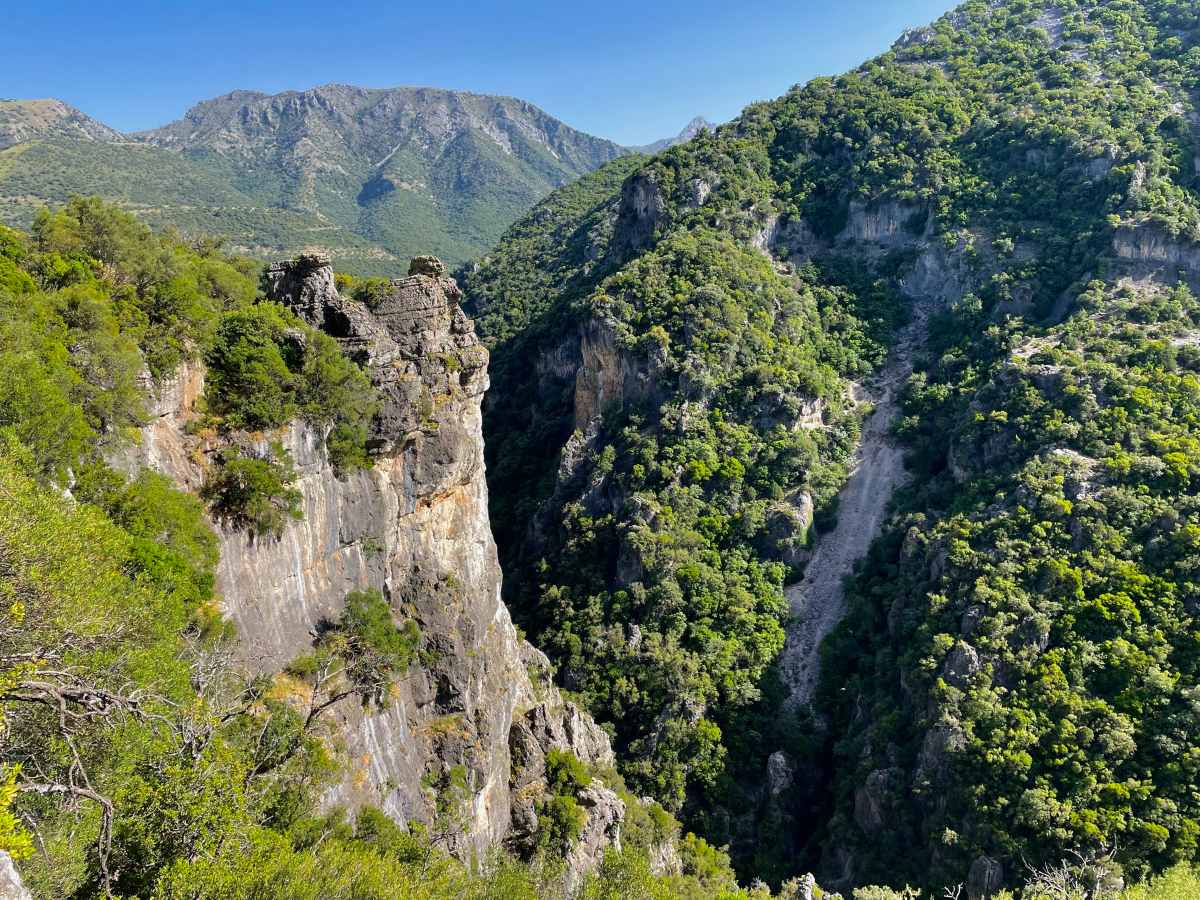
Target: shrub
254	492
375	648
251	368
560	822
267	368
565	772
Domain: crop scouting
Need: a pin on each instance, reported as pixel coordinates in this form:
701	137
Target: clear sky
629	71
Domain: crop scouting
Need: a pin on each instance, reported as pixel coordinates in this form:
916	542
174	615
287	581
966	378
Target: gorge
818	494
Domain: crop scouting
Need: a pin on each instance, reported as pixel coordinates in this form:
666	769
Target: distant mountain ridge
368	117
369	174
690	130
26	120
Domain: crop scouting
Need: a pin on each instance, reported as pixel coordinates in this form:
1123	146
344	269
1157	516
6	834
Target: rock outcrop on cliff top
415	527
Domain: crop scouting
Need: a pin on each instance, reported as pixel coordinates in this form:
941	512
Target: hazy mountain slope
369	176
676	403
164	188
412	169
690	130
26	120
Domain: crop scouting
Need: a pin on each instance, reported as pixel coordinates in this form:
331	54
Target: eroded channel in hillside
817	602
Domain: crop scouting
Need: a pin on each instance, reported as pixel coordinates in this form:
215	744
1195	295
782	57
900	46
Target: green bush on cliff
266	368
368	291
560	817
375	649
169	535
252	367
254	492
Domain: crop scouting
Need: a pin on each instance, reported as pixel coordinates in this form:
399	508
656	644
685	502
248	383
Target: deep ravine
817	601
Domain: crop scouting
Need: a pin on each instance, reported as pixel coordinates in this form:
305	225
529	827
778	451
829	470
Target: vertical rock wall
416	527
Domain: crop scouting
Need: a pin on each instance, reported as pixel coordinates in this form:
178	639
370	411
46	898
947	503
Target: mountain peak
414	168
690	130
368	118
27	120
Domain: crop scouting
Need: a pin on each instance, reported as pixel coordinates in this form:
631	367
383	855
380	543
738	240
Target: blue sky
629	71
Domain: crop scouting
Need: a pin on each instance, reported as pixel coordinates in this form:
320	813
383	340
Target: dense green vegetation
704	485
560	817
266	368
548	254
1042	591
1011	143
135	760
98	298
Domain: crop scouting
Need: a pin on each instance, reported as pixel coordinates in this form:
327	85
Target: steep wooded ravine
994	227
283	667
991	166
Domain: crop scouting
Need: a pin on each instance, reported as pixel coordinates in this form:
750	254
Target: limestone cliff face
416	527
608	374
888	224
642	208
1151	251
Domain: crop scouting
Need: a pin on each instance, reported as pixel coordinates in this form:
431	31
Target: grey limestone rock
427	265
642	208
781	771
415	526
985	878
11	886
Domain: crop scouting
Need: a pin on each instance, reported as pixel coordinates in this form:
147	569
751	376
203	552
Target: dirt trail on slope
817	602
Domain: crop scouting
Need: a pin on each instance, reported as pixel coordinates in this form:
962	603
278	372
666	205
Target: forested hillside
684	351
844	462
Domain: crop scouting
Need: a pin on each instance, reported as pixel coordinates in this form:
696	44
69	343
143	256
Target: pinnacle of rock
427	265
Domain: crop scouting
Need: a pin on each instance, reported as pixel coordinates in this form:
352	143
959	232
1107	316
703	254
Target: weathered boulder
985	878
605	811
961	664
11	886
427	265
787	535
806	887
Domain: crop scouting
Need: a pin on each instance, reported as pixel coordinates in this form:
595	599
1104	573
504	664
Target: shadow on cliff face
776	792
